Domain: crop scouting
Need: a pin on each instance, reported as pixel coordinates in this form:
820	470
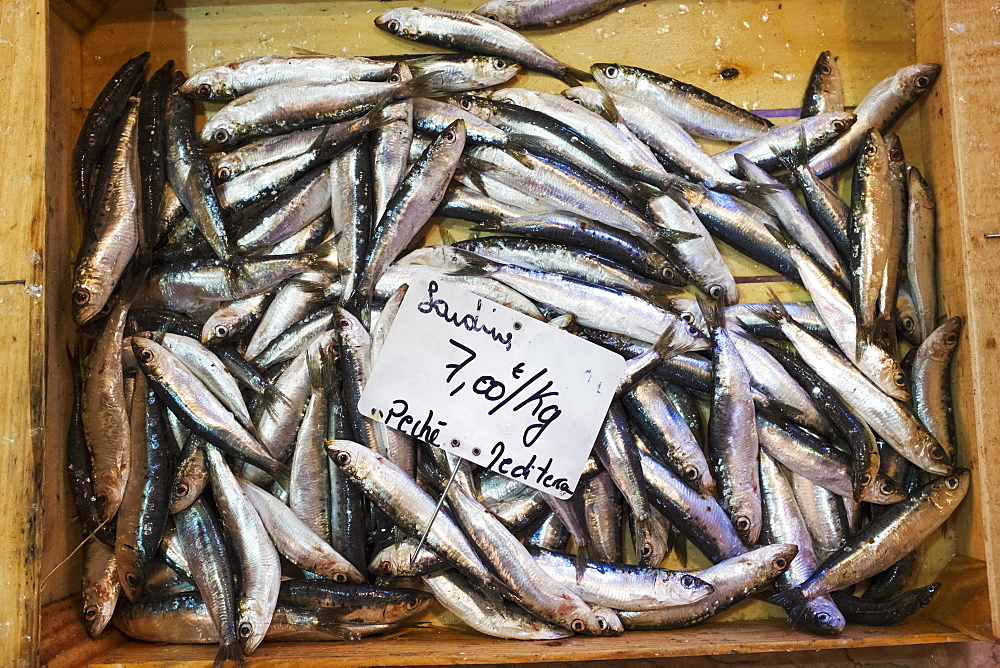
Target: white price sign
493	386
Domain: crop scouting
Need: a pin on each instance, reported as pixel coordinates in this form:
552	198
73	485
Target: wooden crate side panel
962	165
61	532
79	15
23	63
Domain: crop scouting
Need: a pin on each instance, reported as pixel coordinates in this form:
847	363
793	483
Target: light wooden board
23	62
772	44
963	166
65	118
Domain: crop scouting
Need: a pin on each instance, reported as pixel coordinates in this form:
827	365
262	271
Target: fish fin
299	51
230	655
774	313
666	239
486	226
580	560
271	397
572	76
609	110
472	264
522	156
476	177
794	602
282	475
430	84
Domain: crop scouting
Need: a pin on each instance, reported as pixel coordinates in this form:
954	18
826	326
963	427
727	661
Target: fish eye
395	78
693	330
838	125
691	472
937	452
81	296
132	579
743	523
611	71
493	17
500	63
647	550
952	482
951	339
578	625
687	317
822	617
90	613
392	26
342	458
465	103
146	355
887	488
102	499
825	69
922	82
344	324
221	136
899	379
448	136
896	155
385	568
667	272
222	331
865	479
224	173
601	623
908	324
182	489
780	563
411	603
246	630
715	291
204	91
340	578
688	582
870	149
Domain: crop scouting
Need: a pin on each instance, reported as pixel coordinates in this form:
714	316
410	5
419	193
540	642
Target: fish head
942	341
888	374
410	602
388	563
913	80
91	293
350	330
352	458
608	620
130	572
883	491
251	625
586	97
613	77
933	457
213	83
822	617
501	11
824	128
479	107
681	588
401	21
99	605
873	157
492	70
222	326
109	487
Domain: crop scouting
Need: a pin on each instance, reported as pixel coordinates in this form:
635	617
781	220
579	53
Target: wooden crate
56	54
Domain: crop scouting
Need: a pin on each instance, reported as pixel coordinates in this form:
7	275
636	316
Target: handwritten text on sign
493	386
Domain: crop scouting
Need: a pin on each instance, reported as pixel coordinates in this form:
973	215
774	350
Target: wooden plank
962	166
61	533
23	63
80	15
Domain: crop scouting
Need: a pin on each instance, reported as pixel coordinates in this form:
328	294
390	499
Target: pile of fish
235	286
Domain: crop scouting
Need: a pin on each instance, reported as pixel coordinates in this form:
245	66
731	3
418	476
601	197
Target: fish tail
324	256
668	346
470	264
661	293
322	368
609	109
230	655
430	84
794	602
580	560
572	76
748	189
666	239
713	310
775	312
